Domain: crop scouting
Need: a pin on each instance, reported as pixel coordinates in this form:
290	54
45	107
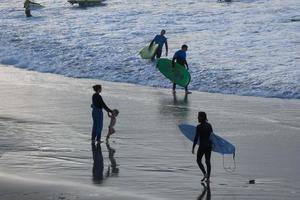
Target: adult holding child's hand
97	114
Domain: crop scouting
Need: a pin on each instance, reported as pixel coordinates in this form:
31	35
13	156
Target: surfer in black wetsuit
97	114
203	132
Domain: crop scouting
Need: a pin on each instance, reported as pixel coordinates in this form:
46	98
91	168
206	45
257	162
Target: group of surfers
203	130
179	56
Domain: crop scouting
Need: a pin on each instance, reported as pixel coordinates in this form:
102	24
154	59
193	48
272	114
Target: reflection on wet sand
177	108
98	163
112	169
205	195
184	101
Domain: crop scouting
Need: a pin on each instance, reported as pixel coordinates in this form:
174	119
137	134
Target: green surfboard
148	53
179	74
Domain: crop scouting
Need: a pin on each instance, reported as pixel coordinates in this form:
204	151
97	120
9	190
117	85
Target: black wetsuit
203	133
99	103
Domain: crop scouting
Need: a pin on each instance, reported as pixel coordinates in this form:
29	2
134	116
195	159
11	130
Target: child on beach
112	123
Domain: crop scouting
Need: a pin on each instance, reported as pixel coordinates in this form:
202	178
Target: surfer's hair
202	115
97	88
184	46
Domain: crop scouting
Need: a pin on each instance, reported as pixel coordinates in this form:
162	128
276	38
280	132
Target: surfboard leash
229	169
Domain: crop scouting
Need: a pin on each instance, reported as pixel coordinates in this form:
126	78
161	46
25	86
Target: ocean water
246	47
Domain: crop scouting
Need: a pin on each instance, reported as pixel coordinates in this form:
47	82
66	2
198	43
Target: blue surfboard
219	144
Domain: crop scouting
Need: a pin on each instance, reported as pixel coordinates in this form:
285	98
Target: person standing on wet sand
203	133
97	114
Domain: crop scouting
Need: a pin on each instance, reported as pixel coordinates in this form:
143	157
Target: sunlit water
247	47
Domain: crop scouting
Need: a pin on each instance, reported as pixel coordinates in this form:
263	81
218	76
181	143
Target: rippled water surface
247	47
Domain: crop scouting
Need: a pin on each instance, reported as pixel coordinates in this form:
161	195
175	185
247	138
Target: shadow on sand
175	108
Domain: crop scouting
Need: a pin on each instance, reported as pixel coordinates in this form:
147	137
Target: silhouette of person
98	105
98	163
27	8
203	132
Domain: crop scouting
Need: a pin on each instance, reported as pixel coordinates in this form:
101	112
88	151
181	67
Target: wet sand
45	123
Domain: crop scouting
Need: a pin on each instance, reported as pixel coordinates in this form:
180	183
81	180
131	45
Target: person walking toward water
203	132
27	8
180	58
97	114
161	40
113	119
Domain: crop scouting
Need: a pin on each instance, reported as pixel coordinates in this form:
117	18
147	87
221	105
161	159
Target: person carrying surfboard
27	8
203	132
161	40
180	58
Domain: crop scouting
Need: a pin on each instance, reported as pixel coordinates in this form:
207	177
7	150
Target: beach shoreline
46	123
